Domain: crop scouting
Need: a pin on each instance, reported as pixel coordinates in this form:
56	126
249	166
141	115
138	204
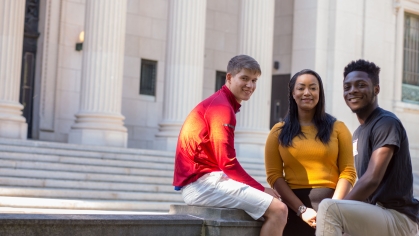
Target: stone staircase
36	174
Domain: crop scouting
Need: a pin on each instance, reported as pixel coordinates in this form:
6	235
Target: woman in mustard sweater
308	157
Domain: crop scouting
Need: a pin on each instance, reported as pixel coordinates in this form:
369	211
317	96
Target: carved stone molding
397	5
49	65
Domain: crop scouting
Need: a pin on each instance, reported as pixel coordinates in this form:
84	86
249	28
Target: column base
12	123
13	129
166	139
250	143
110	138
99	129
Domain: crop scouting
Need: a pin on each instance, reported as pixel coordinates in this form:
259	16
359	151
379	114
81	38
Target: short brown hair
239	62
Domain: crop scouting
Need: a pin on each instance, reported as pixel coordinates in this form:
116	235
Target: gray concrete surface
221	221
98	225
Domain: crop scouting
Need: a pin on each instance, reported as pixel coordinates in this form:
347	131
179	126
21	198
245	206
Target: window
220	79
410	86
148	77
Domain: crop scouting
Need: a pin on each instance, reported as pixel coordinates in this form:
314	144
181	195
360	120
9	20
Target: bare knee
277	211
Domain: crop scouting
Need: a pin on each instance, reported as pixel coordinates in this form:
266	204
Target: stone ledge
98	225
221	221
182	220
211	213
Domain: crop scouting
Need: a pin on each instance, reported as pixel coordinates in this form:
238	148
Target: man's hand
273	193
309	216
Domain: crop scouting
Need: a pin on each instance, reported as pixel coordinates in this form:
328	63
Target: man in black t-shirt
381	202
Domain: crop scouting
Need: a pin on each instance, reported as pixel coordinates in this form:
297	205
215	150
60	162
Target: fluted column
99	120
12	16
184	67
256	40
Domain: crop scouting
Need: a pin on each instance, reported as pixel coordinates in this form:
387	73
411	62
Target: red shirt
206	142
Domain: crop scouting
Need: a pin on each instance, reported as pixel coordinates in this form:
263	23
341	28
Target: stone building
144	64
125	73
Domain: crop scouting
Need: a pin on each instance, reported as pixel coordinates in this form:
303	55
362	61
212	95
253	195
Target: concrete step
62	149
98	160
82	150
109	178
58	153
68	176
80	168
65	175
93	169
92	185
154	162
89	194
140	162
39	145
84	204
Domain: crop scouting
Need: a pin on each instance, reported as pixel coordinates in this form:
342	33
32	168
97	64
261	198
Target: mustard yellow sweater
309	163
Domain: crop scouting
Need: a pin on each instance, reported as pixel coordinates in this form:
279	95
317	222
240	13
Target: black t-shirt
396	188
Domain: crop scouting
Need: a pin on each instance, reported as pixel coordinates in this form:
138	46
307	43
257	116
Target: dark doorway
220	80
279	98
27	78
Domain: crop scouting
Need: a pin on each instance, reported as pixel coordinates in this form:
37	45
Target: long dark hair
323	121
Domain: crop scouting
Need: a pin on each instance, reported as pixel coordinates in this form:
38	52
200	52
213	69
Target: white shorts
217	190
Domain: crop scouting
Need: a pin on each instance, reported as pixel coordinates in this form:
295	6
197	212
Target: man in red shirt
206	168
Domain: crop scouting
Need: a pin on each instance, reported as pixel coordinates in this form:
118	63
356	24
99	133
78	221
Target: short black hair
370	68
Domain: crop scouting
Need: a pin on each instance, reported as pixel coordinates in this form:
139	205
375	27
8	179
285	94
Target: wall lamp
79	44
276	65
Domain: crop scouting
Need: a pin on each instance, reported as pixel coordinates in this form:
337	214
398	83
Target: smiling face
360	94
306	92
242	85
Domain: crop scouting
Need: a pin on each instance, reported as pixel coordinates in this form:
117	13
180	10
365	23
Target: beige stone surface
321	35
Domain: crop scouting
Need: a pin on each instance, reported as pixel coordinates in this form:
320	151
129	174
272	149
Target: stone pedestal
184	68
256	40
99	120
12	16
221	221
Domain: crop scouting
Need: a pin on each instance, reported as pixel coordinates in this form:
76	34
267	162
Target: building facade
142	65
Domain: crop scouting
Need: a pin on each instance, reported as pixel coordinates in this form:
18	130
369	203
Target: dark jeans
311	197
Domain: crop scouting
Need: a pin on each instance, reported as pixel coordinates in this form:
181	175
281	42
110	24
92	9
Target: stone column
184	68
99	120
12	16
327	35
256	40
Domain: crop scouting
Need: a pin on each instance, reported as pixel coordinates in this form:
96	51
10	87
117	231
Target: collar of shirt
231	98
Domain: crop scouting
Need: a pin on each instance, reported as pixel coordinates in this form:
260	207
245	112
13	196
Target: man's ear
376	89
228	77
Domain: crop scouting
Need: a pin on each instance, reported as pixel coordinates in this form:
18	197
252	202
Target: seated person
206	168
308	157
381	202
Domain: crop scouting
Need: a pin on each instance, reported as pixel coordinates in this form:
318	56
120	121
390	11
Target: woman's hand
309	216
273	193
